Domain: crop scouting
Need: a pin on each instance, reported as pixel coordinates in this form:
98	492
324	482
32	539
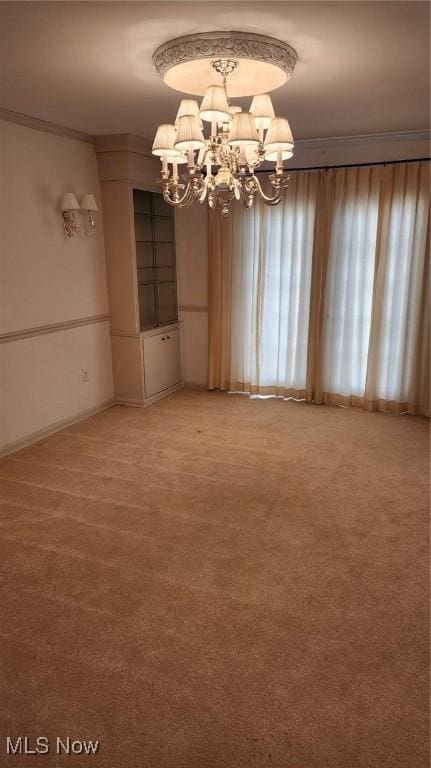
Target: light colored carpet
216	582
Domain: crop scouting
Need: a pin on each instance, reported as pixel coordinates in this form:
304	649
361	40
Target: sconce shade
188	107
69	202
262	110
279	137
189	134
214	104
234	109
243	131
88	203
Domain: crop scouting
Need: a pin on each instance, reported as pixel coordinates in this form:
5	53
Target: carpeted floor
216	582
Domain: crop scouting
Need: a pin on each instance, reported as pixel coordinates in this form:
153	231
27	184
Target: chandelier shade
177	157
243	131
262	110
163	144
189	134
214	104
279	136
283	154
188	107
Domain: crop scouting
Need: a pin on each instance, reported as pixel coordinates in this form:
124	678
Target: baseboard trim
57	426
195	385
131	403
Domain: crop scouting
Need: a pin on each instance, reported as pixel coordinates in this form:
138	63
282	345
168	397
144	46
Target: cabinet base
164	393
150	400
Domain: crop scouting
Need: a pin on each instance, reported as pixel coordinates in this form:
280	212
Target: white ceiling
363	66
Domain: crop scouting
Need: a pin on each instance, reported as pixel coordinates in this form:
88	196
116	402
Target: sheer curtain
349	283
327	296
260	294
399	356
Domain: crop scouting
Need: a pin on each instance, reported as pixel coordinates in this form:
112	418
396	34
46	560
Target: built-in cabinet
139	230
162	360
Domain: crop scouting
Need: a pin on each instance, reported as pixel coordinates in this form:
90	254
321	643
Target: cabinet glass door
147	305
166	302
155	259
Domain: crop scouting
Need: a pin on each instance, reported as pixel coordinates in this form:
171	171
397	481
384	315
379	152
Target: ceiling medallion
185	63
221	65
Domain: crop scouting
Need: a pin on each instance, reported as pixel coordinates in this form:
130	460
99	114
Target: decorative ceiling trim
118	142
232	45
423	134
44	125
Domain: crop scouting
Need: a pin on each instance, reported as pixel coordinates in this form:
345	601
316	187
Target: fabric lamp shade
189	134
286	154
262	110
69	202
177	157
279	136
243	131
214	104
234	109
163	144
188	107
88	203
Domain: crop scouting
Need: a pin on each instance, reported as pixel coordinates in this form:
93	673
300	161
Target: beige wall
48	279
191	227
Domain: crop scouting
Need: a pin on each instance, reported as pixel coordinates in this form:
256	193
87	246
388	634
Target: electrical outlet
84	375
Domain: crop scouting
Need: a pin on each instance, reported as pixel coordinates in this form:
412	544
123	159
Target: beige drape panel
259	287
326	297
398	361
349	210
219	300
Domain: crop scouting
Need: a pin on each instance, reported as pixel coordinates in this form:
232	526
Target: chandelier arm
181	202
276	199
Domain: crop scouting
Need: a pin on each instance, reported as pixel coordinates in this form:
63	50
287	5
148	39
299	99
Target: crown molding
139	145
123	142
44	125
423	134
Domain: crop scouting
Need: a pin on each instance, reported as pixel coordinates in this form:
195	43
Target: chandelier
221	167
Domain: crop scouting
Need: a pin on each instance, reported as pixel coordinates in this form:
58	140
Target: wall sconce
89	205
69	205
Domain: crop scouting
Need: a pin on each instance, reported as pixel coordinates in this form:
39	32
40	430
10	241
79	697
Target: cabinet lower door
162	362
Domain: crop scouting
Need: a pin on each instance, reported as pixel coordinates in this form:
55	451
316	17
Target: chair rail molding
40	330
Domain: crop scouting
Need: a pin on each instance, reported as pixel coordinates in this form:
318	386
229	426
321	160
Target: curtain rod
351	165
